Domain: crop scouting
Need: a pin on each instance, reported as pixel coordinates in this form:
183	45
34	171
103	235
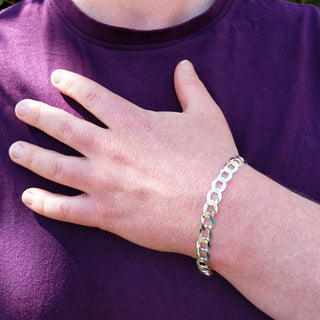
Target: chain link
210	209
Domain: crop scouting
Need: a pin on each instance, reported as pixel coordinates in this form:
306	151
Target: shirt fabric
260	60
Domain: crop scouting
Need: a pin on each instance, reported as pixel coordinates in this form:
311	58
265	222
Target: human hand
144	178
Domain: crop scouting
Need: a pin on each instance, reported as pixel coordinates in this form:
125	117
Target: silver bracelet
210	209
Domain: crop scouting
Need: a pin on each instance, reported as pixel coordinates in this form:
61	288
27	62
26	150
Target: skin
143	15
130	157
267	250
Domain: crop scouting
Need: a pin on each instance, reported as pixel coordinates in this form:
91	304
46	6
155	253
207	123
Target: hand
145	178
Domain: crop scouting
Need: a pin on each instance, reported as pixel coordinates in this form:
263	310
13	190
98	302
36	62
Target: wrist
227	222
233	220
211	209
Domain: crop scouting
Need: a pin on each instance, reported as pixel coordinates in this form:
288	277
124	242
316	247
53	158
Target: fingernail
27	198
57	76
16	151
22	108
187	66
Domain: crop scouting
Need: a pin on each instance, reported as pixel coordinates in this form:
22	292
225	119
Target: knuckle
57	170
30	159
36	114
42	207
138	121
65	128
65	211
92	96
117	153
68	85
193	82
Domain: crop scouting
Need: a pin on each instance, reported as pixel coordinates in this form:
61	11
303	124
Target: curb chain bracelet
210	209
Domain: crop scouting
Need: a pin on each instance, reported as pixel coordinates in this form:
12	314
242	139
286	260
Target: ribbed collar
93	29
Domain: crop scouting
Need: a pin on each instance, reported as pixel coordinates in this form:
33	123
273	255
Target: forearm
266	243
265	239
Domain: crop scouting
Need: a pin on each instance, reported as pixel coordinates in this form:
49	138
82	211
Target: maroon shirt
260	59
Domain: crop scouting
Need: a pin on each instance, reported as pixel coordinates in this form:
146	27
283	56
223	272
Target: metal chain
210	209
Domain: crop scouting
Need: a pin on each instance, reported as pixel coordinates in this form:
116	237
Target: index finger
113	110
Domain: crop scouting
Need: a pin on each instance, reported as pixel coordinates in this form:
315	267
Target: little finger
73	209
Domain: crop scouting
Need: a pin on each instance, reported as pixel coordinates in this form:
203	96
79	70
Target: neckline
121	37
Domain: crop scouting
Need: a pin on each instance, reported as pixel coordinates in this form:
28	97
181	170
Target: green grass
315	2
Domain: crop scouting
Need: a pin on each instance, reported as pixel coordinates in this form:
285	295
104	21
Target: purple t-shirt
260	60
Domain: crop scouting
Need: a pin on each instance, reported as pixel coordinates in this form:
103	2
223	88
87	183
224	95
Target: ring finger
70	171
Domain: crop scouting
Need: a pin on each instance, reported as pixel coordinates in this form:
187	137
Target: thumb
191	92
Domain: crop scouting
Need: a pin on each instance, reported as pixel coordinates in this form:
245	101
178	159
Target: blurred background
7	3
315	2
